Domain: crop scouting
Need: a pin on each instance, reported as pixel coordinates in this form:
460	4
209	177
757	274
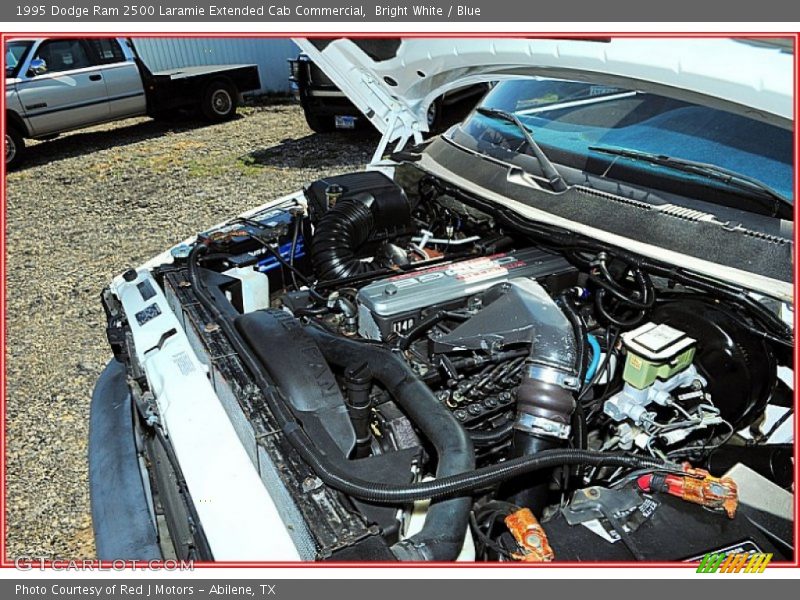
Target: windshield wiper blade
554	178
779	205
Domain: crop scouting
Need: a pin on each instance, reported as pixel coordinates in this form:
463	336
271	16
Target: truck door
126	96
69	92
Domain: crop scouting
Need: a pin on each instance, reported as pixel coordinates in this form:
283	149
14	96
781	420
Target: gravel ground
85	207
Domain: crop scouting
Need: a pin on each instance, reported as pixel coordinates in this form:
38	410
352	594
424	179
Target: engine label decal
458	269
630	521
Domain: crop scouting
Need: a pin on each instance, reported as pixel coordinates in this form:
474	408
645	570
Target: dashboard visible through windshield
570	119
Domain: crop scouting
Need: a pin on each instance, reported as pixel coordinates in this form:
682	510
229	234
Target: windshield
15	54
568	118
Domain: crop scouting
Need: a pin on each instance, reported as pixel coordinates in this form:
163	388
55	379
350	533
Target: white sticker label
184	363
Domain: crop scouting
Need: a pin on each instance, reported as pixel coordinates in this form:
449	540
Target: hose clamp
541	426
555	376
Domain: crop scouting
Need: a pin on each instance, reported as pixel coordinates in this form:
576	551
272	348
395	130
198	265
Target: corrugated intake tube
339	234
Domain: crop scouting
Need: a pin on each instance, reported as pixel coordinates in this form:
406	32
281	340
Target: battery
273	224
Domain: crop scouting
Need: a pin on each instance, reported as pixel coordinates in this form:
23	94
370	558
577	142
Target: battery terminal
697	486
530	537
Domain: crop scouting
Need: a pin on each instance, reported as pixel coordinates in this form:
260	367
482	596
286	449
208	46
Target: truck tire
219	101
15	147
434	116
319	123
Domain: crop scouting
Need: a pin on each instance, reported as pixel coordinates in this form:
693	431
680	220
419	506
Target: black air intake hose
339	234
446	522
371	208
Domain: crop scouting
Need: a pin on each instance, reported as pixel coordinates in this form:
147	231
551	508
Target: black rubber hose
580	439
644	283
446	522
569	310
599	297
619	295
482	437
443	487
339	234
308	311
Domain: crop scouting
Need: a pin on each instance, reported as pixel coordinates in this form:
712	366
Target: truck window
63	55
15	56
106	51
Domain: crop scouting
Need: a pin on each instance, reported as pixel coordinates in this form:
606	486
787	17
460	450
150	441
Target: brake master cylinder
659	360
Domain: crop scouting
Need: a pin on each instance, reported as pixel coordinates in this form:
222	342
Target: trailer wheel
219	101
15	147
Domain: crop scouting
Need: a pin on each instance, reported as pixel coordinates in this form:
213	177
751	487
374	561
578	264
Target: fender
14	120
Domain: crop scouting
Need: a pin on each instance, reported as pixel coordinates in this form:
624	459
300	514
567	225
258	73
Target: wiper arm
779	205
554	178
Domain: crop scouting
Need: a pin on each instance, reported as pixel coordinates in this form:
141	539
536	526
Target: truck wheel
15	147
434	116
319	123
219	101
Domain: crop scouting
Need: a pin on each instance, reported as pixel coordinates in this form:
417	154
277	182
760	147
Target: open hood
394	81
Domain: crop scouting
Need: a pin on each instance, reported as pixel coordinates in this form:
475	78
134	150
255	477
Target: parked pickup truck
58	85
327	108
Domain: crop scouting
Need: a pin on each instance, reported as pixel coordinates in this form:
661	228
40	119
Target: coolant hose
442	536
595	362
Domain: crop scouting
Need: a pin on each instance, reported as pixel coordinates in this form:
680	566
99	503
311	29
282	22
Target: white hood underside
738	75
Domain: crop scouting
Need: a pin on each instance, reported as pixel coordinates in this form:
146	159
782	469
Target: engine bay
432	379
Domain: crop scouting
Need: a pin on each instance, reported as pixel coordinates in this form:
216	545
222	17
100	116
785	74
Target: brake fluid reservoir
655	352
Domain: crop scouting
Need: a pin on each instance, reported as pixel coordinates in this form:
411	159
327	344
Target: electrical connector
695	485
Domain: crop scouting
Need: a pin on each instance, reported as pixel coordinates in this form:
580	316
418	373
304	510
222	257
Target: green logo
734	562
